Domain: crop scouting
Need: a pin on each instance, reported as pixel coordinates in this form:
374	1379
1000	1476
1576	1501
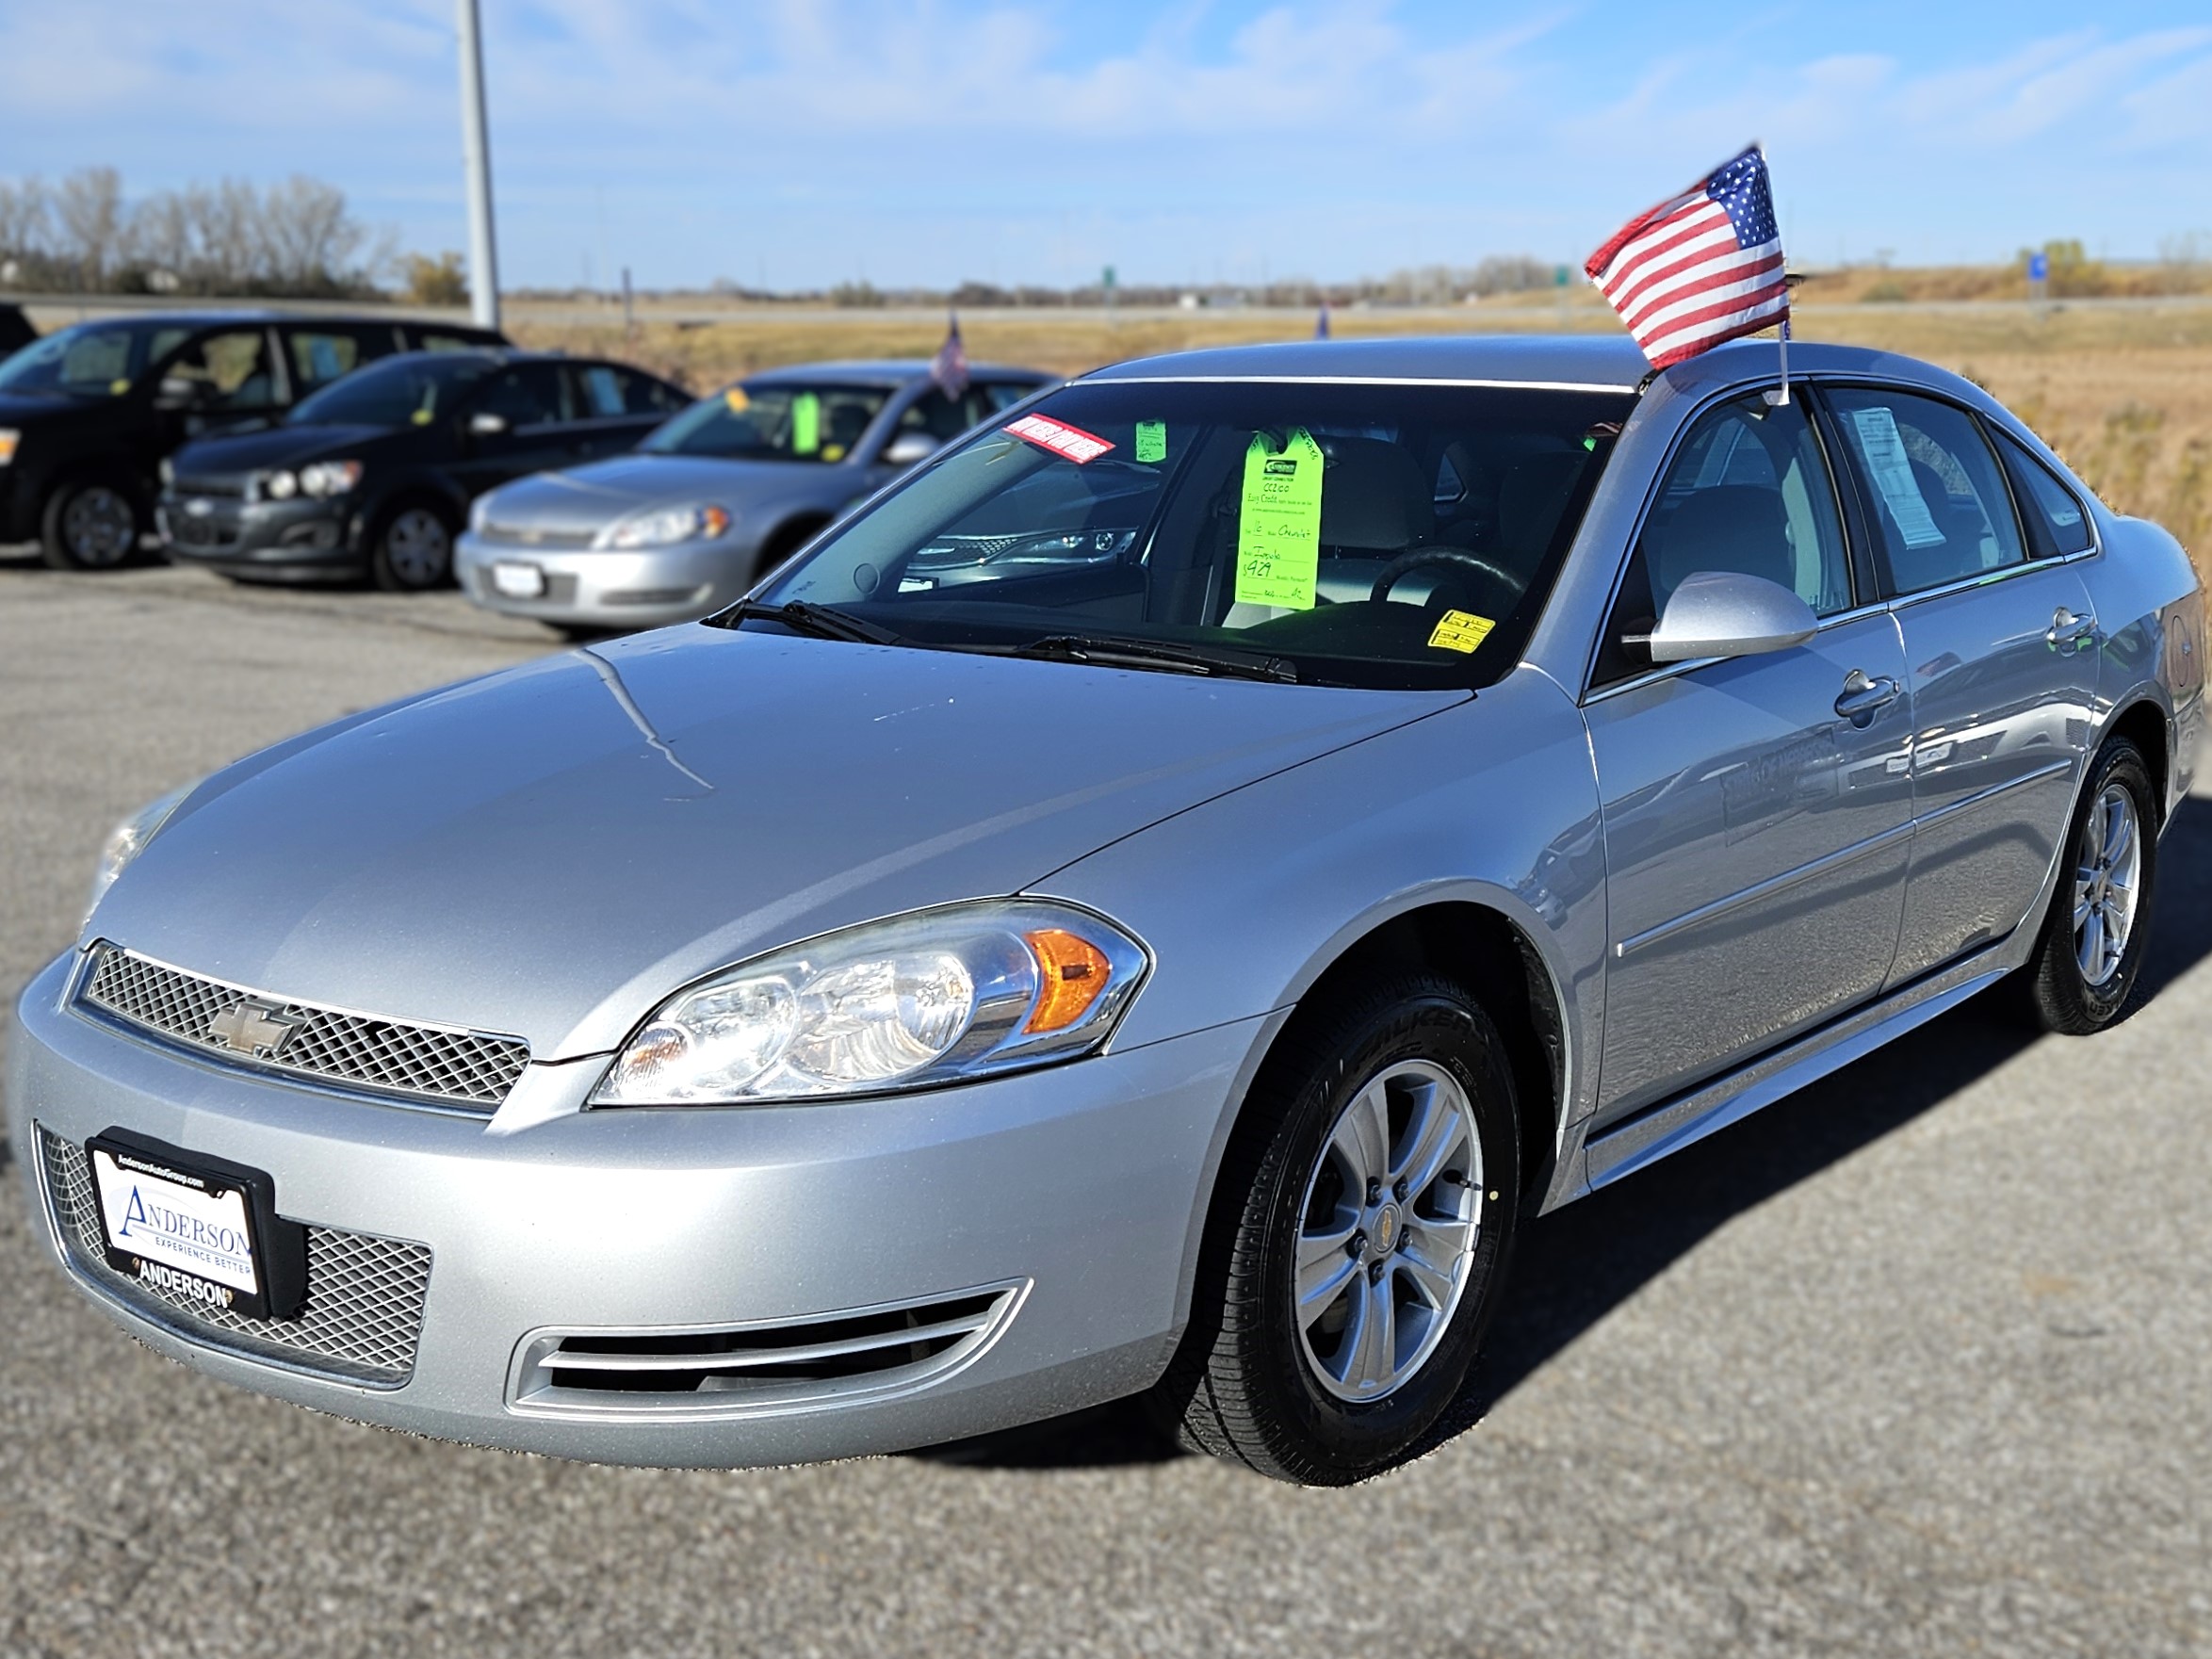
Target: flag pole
1780	397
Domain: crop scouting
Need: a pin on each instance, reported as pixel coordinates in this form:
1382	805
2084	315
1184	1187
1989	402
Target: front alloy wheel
414	552
90	526
1386	1232
1361	1225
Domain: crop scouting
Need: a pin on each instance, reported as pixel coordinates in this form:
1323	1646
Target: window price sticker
1461	631
1070	443
1278	530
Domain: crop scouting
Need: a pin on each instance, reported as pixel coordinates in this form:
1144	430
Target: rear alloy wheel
413	551
2092	951
90	524
1363	1221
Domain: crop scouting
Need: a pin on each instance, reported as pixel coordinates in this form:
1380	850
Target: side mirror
178	392
487	425
1723	613
909	448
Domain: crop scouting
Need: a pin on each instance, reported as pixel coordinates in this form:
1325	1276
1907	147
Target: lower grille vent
760	1367
364	1294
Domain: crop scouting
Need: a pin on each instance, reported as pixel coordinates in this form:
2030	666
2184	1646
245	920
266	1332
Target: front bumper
1074	1194
589	588
304	538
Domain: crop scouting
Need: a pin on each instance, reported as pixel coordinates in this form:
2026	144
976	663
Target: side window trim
1864	597
2003	442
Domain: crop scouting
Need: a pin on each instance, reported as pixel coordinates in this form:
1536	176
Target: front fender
1248	899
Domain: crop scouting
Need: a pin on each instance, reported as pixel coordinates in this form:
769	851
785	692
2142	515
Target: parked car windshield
1399	535
91	360
778	422
393	393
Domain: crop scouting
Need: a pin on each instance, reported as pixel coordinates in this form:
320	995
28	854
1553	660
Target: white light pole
475	144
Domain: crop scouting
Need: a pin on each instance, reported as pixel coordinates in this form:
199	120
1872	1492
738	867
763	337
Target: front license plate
518	580
188	1231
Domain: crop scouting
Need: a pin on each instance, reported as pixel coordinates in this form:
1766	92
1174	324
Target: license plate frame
184	1186
517	578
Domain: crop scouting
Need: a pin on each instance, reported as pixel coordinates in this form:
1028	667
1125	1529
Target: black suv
376	474
88	411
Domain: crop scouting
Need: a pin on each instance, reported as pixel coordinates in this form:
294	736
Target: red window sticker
1071	442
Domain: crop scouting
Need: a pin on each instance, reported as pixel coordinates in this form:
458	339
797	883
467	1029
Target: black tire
95	522
410	550
1246	1384
2063	994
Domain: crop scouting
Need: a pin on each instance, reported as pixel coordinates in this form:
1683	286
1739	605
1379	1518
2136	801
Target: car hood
280	445
551	850
18	409
587	498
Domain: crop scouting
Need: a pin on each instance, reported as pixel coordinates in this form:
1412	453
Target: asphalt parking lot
1914	1363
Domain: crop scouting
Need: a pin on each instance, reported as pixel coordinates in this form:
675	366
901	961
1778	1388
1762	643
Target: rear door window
2053	516
1933	487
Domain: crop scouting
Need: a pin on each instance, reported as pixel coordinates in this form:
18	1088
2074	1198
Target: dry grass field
2122	388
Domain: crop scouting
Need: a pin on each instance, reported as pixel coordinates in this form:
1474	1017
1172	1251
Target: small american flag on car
949	367
1701	268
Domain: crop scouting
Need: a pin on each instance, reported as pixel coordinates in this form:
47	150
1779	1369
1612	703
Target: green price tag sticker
805	423
1151	440
1278	531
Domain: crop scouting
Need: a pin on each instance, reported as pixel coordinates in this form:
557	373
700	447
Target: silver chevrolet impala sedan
1149	905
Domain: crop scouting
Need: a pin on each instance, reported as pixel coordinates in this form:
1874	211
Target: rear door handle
2071	632
1864	698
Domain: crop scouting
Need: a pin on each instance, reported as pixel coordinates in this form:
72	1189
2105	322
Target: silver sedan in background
717	496
1151	904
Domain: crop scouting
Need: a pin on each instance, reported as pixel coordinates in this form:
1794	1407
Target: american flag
949	367
1703	267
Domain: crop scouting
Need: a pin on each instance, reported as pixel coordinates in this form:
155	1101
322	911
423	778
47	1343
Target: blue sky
806	143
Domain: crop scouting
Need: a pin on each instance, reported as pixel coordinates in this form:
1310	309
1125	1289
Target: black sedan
88	411
375	475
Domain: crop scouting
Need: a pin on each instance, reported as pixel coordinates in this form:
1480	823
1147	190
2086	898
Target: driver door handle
1862	698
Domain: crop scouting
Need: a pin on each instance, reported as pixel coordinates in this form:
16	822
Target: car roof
217	317
1595	361
876	372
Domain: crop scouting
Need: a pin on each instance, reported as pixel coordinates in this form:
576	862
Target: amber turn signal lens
1071	974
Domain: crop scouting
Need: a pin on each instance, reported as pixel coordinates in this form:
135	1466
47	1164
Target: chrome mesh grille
365	1294
464	1067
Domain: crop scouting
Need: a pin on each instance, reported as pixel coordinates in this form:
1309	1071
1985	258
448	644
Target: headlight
275	486
10	438
938	997
128	839
664	527
329	478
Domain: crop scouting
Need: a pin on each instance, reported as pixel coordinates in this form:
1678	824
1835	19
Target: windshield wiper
822	621
1118	651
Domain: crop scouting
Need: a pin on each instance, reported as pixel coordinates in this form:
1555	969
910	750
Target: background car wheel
1363	1224
2086	964
414	549
91	524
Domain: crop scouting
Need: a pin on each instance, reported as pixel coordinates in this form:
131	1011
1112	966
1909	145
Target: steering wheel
1388	577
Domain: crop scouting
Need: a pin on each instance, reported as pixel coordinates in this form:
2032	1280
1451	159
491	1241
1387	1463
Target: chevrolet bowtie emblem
252	1027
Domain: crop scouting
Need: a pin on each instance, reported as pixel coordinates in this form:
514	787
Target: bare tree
87	212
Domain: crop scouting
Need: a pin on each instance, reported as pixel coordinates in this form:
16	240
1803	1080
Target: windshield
92	360
393	393
1398	535
778	422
